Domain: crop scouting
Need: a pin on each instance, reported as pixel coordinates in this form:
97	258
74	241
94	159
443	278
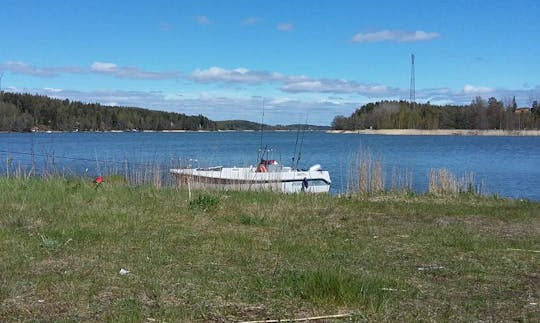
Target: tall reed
118	172
442	181
366	174
401	180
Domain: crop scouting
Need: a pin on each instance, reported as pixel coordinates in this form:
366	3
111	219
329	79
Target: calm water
508	166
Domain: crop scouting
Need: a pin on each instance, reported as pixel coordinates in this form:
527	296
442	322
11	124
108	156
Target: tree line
255	126
479	114
27	112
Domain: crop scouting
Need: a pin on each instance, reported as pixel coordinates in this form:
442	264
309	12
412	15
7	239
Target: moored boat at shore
267	175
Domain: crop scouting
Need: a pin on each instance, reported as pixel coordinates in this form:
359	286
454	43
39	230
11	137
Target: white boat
267	175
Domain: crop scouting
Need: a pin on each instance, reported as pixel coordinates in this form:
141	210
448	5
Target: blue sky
314	59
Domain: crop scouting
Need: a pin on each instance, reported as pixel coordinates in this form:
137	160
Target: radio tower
1	93
412	98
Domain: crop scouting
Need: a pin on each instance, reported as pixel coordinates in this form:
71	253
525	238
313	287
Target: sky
295	60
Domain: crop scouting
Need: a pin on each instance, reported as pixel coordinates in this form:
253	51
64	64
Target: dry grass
442	181
368	178
368	175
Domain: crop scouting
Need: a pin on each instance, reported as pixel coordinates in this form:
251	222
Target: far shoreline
440	132
381	132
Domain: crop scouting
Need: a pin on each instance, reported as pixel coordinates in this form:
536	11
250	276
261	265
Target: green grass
233	256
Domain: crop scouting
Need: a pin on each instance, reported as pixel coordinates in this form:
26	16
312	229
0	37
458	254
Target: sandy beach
440	132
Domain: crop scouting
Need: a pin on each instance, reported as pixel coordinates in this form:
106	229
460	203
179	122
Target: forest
256	126
22	112
27	112
479	114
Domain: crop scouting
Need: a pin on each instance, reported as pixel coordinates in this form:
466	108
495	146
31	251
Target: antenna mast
1	92
412	97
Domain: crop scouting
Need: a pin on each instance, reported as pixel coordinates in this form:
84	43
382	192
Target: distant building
523	110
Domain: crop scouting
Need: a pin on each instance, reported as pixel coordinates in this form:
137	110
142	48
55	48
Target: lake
507	166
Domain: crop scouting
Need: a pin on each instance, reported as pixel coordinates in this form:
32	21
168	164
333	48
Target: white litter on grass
526	250
392	289
429	267
41	301
123	271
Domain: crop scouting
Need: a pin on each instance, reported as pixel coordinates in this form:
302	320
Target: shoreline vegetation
478	115
35	113
388	132
74	250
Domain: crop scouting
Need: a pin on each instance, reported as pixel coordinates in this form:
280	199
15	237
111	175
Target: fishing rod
296	144
260	154
301	142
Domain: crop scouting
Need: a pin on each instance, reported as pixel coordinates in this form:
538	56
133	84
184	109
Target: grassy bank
241	256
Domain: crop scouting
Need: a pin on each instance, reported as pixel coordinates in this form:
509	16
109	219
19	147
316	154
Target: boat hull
248	179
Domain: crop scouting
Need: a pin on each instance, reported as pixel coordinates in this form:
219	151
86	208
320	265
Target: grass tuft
251	220
337	287
49	244
204	202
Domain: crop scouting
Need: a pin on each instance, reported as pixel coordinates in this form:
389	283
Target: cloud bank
291	83
238	75
278	109
134	73
110	69
32	70
394	36
336	86
325	97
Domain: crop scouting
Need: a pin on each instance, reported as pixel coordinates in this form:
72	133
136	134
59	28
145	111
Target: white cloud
277	101
238	75
285	26
251	21
27	69
394	35
340	86
103	67
114	70
291	83
110	69
471	89
203	20
53	90
23	68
